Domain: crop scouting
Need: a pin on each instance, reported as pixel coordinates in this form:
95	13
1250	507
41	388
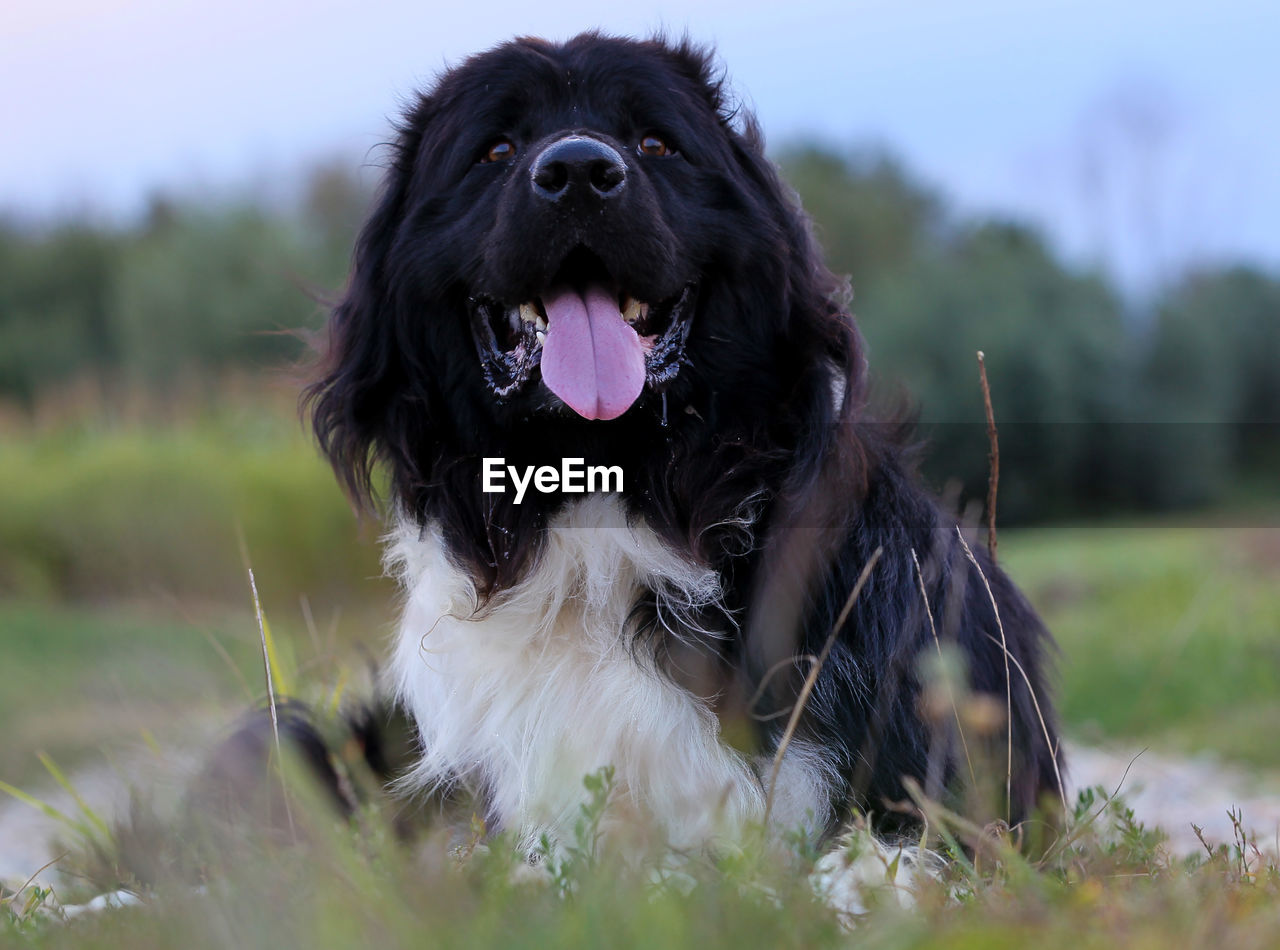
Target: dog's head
578	246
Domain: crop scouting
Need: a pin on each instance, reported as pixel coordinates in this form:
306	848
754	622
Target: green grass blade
85	809
281	682
48	810
339	689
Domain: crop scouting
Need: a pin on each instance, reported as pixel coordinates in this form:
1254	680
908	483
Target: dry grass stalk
1044	726
924	596
8	897
1008	682
993	456
764	684
807	688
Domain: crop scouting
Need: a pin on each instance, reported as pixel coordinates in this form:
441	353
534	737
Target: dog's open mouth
596	346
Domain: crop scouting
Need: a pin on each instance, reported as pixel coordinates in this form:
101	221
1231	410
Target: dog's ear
363	390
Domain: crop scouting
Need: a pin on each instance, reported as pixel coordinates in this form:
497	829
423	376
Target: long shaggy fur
662	630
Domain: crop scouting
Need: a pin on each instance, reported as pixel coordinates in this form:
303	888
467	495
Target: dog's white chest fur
543	687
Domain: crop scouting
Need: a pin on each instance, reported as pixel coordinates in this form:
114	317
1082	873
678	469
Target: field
127	631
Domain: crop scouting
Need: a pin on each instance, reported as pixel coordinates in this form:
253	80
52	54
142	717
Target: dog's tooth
634	311
540	321
529	313
541	335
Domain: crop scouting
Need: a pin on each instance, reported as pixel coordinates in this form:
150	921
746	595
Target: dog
582	261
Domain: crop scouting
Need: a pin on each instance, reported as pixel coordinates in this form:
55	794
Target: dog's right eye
499	150
654	145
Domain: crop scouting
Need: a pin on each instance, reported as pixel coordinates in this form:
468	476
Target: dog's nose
577	164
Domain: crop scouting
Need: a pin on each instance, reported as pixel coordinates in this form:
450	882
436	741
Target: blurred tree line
1101	405
190	293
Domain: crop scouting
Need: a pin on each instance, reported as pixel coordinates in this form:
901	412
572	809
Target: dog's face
585	192
592	187
574	204
580	251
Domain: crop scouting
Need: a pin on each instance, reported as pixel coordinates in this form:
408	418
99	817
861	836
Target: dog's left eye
499	150
654	146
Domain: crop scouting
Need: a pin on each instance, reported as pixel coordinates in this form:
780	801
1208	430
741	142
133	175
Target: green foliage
1210	377
1167	632
89	512
179	299
569	861
206	293
872	217
1107	882
1054	348
1225	325
1097	408
1124	599
81	679
54	311
24	915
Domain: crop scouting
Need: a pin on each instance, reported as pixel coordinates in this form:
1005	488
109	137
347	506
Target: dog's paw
862	872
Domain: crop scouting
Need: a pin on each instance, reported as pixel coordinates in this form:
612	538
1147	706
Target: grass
1168	636
78	679
132	511
1170	633
122	583
81	681
1109	884
125	611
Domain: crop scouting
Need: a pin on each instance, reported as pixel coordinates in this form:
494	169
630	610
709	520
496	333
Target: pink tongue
591	358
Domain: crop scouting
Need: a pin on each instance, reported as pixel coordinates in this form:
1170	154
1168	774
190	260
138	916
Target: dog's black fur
749	449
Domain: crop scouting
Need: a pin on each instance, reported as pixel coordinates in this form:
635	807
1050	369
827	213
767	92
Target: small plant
570	862
27	911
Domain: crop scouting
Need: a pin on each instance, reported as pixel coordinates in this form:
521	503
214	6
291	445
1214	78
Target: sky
1141	135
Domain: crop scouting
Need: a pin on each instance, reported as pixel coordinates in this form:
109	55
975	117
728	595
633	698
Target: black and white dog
582	253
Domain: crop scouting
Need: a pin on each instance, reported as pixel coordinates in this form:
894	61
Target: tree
55	290
208	291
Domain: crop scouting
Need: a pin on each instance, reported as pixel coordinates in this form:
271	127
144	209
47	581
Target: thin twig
1044	726
807	688
1066	841
764	683
35	874
938	643
944	820
1008	681
1200	834
993	457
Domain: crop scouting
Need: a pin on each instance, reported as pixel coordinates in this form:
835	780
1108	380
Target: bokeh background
1085	191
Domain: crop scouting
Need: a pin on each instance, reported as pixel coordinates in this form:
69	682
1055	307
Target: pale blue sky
1145	133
